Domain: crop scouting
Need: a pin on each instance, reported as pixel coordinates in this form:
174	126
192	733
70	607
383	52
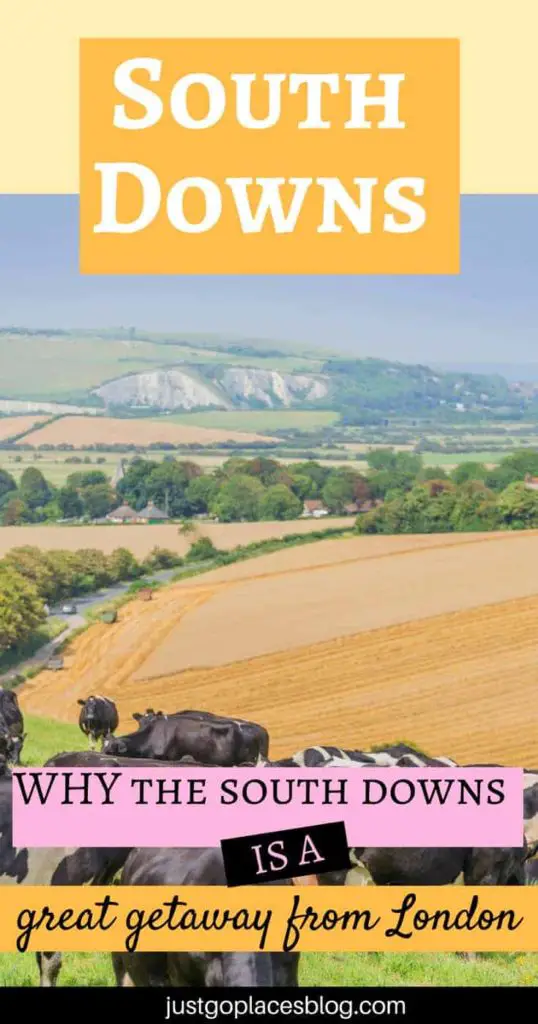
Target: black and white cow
171	738
98	719
184	867
251	731
399	755
13	719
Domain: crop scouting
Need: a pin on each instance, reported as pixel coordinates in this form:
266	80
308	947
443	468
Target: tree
69	503
16	511
239	498
316	473
202	549
34	565
86	478
266	470
7	483
387	459
339	489
302	485
21	609
122	565
201	492
33	488
518	507
279	502
97	500
469	471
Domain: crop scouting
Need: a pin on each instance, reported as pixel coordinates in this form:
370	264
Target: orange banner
324	918
269	156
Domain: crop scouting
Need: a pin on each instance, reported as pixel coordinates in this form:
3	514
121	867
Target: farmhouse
152	514
314	507
124	514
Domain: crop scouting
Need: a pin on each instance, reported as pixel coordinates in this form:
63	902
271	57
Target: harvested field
11	426
296	608
84	431
435	645
141	538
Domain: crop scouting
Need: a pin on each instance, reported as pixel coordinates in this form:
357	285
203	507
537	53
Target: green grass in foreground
47	737
318	969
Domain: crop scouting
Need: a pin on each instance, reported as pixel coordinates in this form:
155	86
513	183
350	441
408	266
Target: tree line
408	493
253	489
31	578
470	498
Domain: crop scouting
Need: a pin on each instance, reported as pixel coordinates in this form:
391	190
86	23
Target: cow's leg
123	979
49	965
93	743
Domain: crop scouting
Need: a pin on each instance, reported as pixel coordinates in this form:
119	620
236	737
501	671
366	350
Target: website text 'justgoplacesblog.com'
305	1006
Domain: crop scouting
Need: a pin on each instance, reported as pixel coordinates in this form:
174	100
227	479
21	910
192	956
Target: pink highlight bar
383	806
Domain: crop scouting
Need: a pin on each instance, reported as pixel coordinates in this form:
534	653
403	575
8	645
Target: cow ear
81	702
137	716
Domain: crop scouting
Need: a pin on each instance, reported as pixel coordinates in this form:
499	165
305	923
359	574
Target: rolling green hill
130	373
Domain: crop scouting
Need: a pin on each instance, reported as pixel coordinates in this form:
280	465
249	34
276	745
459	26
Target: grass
317	969
263	420
29	364
47	737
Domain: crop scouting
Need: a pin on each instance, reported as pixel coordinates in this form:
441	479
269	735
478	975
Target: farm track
461	683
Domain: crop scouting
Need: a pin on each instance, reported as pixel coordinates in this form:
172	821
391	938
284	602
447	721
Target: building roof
123	512
351	507
312	504
152	512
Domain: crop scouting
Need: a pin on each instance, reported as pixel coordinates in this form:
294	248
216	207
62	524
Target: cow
170	739
98	719
13	718
433	866
94	759
185	867
250	730
335	757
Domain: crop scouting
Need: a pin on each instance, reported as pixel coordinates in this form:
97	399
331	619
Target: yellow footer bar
216	918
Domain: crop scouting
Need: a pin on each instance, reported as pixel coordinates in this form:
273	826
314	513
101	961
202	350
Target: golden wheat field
140	538
11	426
84	431
430	640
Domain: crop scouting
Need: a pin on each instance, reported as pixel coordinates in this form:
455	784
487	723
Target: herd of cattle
207	740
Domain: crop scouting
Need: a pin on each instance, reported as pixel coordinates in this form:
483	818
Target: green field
263	421
455	458
65	368
47	737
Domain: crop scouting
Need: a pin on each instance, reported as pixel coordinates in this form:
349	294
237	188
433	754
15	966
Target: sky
488	314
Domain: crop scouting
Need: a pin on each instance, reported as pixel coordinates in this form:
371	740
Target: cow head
116	747
90	706
9	697
17	743
148	716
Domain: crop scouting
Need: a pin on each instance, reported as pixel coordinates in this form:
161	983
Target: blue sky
487	314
